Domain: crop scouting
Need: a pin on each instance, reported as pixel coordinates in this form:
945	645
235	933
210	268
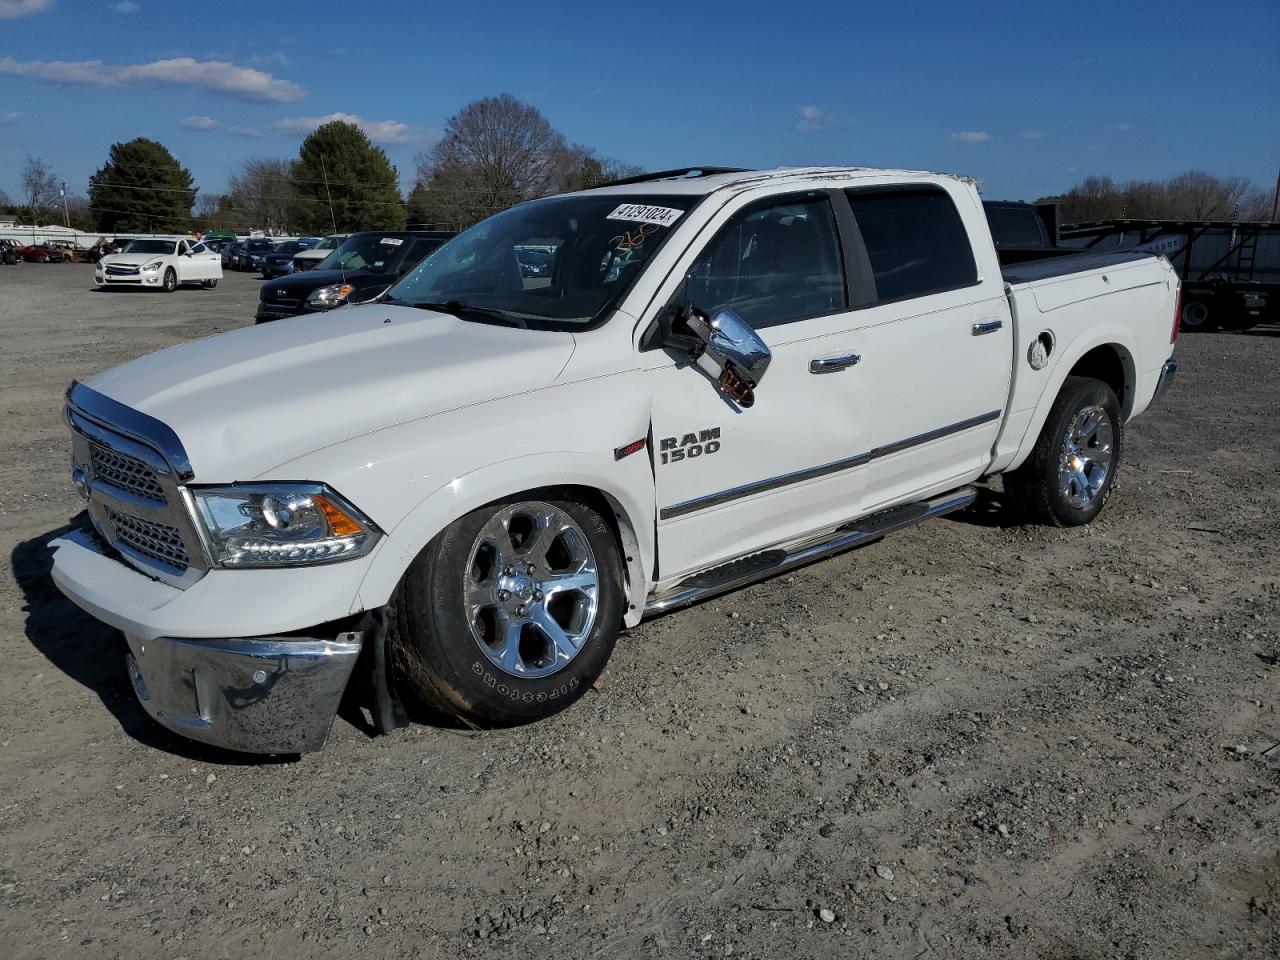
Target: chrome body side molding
812	473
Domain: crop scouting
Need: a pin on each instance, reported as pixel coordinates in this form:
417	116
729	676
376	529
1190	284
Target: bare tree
1194	195
40	190
494	153
260	196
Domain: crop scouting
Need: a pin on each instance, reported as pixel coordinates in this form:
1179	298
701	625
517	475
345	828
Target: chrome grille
133	475
121	271
125	473
159	541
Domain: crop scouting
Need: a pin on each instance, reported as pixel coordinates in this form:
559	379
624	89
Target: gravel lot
970	740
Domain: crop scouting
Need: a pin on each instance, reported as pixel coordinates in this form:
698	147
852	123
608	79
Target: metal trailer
1230	269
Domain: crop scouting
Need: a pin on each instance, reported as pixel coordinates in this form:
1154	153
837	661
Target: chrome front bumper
1166	377
258	695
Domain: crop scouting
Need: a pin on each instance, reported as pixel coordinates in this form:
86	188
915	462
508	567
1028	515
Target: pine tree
360	181
141	189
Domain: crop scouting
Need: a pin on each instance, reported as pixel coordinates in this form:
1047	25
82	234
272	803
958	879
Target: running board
768	563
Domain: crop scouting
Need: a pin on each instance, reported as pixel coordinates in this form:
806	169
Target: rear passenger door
936	339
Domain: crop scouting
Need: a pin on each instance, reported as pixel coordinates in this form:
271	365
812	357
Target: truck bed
1061	266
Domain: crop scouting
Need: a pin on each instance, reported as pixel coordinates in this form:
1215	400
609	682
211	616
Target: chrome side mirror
737	350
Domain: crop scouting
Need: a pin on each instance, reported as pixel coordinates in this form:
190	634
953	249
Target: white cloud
216	76
9	9
275	59
971	136
125	6
12	116
1033	135
1123	127
811	118
379	131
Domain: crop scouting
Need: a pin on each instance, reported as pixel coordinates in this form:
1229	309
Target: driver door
731	480
203	264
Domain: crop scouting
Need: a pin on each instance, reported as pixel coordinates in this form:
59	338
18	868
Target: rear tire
209	284
1071	471
480	637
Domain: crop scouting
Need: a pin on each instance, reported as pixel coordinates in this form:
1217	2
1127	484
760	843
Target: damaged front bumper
256	695
265	681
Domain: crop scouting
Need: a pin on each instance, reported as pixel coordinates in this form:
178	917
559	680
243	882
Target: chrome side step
768	563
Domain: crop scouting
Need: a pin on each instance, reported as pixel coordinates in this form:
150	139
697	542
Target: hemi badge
635	446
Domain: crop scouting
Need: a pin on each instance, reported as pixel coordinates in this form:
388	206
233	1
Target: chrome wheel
1087	452
532	588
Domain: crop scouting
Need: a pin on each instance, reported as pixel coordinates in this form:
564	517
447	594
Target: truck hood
246	401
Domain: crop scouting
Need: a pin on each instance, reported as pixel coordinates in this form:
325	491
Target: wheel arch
623	504
1106	357
1113	365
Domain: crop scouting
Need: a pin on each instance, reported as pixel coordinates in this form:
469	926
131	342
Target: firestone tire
1069	476
511	613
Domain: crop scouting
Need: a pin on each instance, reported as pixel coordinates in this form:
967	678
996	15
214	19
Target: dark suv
360	269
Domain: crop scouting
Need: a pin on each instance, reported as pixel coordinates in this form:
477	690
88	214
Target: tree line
495	152
1194	195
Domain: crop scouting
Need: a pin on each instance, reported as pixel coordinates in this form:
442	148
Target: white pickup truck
475	482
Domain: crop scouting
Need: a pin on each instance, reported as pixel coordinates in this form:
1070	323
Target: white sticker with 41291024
644	213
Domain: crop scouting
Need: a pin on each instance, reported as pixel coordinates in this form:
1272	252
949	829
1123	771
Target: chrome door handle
833	364
987	326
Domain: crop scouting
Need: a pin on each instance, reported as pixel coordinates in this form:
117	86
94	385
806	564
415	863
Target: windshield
150	246
552	264
377	253
289	246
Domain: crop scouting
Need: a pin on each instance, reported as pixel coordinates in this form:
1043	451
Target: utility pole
66	216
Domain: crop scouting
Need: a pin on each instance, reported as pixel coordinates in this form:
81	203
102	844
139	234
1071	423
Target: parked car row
48	251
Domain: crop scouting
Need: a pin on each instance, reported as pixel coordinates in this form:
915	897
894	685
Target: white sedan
160	263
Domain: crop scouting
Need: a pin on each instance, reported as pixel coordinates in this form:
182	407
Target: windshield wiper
465	311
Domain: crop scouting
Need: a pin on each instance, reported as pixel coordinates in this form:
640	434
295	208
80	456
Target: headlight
330	296
281	525
153	265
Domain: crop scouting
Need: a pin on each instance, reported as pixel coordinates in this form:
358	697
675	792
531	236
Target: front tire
170	282
1072	468
511	613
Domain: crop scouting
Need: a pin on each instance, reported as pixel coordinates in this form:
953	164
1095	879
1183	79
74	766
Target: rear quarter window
915	241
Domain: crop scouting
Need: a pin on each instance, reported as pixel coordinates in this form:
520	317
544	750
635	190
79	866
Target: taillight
1177	316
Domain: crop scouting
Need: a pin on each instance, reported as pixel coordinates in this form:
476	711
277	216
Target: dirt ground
973	739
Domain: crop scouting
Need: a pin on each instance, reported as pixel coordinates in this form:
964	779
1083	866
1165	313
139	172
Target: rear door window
1015	226
915	241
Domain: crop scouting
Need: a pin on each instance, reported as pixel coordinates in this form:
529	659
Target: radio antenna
333	217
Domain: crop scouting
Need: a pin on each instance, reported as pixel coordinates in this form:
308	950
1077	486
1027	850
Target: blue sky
1028	99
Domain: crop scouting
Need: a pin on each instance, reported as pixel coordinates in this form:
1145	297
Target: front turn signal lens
340	524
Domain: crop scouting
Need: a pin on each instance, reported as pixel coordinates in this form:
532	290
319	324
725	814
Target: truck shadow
93	654
988	510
